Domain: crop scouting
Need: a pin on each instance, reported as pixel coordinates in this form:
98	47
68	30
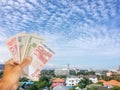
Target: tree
86	73
41	84
61	76
84	82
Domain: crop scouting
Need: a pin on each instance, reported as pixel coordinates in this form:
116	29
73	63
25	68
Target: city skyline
82	33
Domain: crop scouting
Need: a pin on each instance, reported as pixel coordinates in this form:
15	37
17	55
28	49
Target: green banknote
32	42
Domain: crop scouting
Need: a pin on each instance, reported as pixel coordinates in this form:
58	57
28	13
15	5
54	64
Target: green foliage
117	78
34	87
1	73
42	83
24	79
48	72
108	78
88	88
94	88
100	83
72	72
73	88
86	73
115	88
84	82
61	76
99	77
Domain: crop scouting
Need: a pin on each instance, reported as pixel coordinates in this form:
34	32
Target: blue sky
83	33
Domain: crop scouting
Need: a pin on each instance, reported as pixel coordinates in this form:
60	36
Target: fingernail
16	63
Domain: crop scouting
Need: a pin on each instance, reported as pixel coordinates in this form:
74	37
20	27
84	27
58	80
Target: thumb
26	62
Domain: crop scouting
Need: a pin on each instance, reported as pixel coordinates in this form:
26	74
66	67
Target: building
84	71
118	72
1	67
101	72
98	72
58	81
109	74
63	72
113	73
72	81
93	78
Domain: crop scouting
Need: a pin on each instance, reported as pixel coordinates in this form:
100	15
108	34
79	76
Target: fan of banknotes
23	45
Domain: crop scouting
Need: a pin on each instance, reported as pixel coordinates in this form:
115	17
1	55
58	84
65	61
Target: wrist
5	85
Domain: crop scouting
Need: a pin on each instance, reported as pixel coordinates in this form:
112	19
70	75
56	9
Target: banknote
31	44
12	46
41	56
22	38
33	41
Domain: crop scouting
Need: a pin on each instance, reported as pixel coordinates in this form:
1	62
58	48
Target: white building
72	81
93	78
61	72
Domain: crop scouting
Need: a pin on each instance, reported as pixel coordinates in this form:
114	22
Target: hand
12	73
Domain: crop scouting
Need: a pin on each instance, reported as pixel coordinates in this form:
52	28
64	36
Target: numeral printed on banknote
31	44
41	56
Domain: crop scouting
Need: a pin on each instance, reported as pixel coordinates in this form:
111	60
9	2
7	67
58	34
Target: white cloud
21	1
98	41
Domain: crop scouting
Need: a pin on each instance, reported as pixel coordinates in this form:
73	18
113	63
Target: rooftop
58	80
111	82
